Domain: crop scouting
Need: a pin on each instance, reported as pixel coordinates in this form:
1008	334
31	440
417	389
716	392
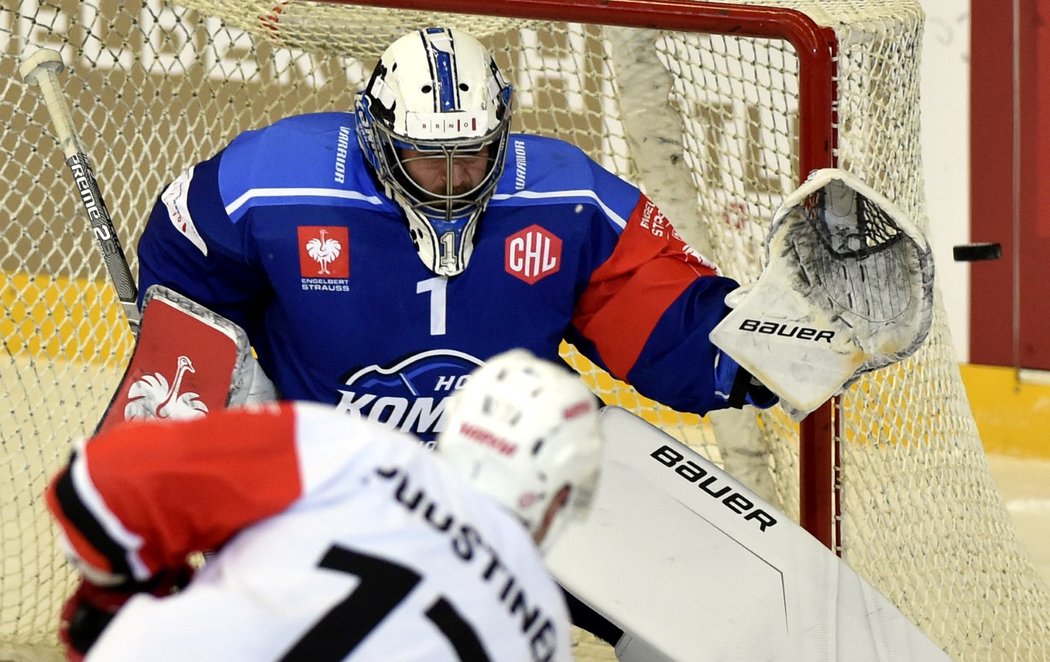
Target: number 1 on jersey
436	286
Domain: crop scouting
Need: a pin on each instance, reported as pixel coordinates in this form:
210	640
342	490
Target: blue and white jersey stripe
295	196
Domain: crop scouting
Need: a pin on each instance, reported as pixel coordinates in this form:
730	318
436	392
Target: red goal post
716	109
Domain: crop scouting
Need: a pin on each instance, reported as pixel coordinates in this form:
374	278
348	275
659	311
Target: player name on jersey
468	546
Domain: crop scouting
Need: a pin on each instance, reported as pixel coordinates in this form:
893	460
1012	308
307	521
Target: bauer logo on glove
847	289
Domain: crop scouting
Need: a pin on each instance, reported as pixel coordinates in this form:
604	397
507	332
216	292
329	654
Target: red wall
992	332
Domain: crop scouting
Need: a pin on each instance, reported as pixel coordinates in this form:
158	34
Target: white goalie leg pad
692	565
847	288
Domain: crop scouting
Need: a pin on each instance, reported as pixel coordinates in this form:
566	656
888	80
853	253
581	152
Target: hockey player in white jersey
334	537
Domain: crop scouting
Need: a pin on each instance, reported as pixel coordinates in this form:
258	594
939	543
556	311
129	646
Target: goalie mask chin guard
436	95
521	430
847	289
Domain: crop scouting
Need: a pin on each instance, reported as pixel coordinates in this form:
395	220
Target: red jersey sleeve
143	495
649	269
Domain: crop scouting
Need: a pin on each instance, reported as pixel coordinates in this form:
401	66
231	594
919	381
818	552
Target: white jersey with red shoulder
286	233
335	539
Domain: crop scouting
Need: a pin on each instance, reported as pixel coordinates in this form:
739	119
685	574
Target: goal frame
815	46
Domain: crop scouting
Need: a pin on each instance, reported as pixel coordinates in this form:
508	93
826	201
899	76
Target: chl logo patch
532	254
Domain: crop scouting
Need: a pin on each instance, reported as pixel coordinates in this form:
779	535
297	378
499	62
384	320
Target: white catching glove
847	289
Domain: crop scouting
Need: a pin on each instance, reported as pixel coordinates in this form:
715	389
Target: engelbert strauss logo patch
324	258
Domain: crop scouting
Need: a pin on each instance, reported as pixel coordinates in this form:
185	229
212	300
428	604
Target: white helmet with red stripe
525	431
437	99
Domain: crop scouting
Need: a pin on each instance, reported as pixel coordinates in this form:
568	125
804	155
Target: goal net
717	111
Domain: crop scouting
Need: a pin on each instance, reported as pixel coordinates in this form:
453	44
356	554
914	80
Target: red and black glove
90	608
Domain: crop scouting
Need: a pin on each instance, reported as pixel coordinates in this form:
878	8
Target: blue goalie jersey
286	233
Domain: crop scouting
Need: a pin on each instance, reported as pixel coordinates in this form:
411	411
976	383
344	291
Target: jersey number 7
384	584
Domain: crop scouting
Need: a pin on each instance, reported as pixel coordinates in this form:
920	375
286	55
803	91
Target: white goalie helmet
433	122
525	431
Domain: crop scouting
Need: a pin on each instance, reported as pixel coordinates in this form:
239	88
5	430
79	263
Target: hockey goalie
847	289
677	554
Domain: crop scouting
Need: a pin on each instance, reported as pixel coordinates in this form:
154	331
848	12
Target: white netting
158	86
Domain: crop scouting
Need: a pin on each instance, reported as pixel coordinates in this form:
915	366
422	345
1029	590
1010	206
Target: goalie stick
41	69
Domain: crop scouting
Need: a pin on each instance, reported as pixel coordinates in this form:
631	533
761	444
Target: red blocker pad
187	362
692	565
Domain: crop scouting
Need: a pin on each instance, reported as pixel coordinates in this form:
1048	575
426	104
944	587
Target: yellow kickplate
1012	409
